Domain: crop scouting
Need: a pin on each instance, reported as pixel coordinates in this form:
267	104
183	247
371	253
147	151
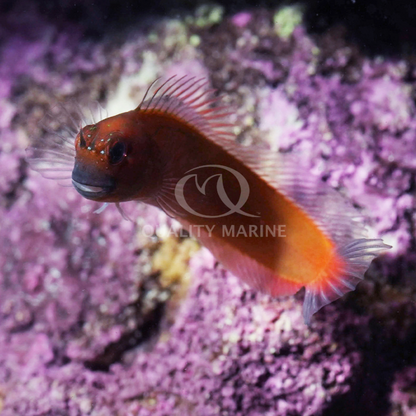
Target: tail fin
342	275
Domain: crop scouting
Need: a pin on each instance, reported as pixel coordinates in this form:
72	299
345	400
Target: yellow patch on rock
171	260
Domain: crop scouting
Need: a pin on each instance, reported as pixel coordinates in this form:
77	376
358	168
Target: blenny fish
267	221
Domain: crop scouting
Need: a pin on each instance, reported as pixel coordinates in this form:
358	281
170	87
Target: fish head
115	160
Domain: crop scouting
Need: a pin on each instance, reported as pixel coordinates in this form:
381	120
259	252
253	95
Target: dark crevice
377	27
115	351
371	386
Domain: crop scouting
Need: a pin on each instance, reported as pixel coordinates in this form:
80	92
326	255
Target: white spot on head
102	152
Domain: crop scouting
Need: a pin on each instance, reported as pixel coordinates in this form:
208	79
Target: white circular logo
233	208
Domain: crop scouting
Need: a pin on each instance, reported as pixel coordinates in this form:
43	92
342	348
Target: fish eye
117	153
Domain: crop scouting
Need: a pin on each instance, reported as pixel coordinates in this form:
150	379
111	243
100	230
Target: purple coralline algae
89	325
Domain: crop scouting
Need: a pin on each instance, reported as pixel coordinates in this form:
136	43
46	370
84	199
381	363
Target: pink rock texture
86	328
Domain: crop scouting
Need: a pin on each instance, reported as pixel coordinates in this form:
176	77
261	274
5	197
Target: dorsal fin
187	99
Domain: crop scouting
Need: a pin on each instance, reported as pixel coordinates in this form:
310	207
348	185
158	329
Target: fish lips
91	185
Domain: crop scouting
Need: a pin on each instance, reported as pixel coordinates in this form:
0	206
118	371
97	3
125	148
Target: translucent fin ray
338	281
186	99
101	209
123	213
54	152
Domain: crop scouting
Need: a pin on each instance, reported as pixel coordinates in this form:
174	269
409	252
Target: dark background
378	27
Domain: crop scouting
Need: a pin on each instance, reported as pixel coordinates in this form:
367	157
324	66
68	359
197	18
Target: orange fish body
267	223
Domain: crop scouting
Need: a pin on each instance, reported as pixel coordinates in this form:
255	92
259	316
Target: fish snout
91	183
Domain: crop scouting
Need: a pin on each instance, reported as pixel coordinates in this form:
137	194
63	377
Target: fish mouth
90	183
91	191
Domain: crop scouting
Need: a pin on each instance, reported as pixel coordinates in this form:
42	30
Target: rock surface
90	325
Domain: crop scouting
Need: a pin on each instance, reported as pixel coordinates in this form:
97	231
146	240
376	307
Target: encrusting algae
171	260
274	226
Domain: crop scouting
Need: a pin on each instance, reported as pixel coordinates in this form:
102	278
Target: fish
264	218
